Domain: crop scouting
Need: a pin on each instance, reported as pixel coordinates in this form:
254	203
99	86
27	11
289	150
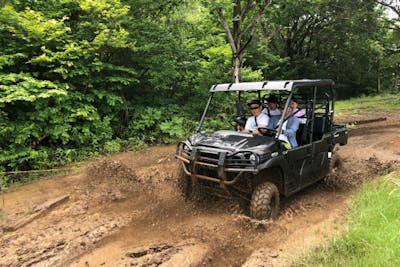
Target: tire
265	202
185	184
334	164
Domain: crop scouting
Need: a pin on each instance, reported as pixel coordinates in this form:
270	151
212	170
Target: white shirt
251	124
272	112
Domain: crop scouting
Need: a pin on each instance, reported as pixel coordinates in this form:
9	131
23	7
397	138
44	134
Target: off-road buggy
260	168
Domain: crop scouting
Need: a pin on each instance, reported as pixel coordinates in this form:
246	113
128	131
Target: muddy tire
265	202
334	178
334	164
185	184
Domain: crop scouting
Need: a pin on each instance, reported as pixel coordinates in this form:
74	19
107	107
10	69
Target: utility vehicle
260	168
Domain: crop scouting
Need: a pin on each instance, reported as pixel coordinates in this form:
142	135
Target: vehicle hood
232	141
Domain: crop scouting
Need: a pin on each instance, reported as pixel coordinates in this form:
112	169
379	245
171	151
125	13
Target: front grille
239	162
208	157
215	165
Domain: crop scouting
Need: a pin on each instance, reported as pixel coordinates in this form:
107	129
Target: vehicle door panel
300	165
320	159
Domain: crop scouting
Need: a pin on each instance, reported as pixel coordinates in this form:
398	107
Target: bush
113	146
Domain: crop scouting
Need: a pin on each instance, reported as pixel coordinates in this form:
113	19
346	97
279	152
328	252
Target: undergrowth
372	237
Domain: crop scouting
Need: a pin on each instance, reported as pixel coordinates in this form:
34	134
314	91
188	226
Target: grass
372	237
360	105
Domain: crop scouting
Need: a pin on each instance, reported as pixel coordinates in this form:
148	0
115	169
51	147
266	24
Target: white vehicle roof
287	85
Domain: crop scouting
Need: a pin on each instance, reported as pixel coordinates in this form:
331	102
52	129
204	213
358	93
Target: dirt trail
125	210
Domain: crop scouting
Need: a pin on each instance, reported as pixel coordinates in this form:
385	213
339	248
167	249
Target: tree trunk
237	62
378	77
396	79
235	35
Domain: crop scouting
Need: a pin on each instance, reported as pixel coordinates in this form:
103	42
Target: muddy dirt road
125	210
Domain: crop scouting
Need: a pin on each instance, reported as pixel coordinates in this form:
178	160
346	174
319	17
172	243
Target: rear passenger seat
320	127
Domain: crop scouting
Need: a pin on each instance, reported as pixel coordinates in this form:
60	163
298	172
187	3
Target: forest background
83	78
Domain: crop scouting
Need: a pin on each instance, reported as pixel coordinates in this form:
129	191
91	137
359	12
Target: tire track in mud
126	210
69	230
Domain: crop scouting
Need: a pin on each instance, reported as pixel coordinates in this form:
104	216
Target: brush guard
216	166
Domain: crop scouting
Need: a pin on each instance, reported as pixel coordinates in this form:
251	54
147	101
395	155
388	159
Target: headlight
252	159
186	148
242	160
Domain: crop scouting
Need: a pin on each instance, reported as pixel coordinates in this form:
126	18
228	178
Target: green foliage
112	146
152	125
22	87
250	75
59	80
174	128
145	124
327	39
372	238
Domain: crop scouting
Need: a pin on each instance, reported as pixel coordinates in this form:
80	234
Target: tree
76	75
61	69
321	39
391	60
393	8
245	15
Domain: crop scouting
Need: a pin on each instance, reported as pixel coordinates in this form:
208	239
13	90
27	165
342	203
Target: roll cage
319	106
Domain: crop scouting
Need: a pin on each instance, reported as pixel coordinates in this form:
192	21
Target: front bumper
215	165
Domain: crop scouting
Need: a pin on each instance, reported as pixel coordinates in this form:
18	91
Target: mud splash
110	169
348	173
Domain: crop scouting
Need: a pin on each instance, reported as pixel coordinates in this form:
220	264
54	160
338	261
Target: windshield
228	110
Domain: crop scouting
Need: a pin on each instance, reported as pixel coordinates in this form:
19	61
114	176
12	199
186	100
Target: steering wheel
267	131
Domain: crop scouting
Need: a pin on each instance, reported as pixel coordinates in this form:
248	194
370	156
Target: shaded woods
81	78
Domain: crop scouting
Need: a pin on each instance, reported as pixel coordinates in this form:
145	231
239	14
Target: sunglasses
254	107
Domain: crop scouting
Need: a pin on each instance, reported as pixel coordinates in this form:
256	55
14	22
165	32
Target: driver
259	119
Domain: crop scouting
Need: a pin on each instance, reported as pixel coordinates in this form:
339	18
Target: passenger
296	111
272	111
289	128
258	119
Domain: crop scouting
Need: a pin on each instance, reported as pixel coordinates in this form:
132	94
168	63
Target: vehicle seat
299	134
303	133
320	127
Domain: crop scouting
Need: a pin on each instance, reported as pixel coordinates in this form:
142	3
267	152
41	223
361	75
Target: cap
272	99
253	102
